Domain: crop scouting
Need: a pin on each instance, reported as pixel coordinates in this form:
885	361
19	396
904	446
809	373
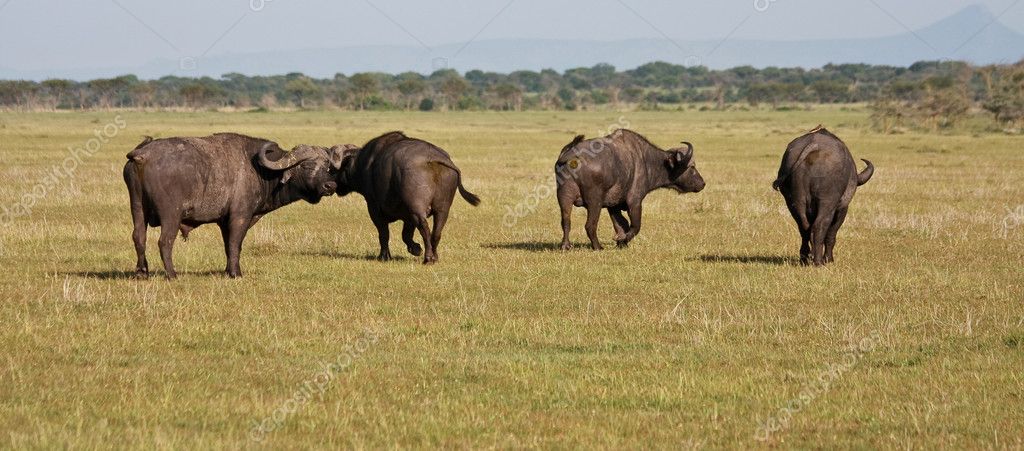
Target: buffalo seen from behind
617	172
227	179
403	179
818	179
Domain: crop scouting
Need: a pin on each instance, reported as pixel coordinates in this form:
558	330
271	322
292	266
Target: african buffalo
616	172
403	179
226	178
818	178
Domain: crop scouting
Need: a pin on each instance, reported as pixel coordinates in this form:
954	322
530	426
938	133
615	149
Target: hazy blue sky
42	34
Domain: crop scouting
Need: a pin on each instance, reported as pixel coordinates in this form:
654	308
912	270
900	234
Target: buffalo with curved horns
616	172
226	179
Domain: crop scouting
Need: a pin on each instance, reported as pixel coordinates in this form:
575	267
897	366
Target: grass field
704	333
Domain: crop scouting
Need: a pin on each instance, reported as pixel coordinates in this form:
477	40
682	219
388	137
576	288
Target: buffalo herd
232	180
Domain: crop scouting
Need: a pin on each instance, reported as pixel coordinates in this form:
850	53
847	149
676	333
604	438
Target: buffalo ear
675	159
682	157
337	157
341	153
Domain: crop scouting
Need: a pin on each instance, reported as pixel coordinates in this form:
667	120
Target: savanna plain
705	332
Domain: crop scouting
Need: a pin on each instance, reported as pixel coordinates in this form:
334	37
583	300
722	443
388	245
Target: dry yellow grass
704	333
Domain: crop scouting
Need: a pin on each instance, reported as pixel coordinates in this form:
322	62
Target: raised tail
473	199
866	174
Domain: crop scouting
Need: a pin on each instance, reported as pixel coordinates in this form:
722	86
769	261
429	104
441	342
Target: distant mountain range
973	35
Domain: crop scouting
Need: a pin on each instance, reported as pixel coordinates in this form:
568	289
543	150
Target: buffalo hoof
622	244
566	246
597	247
430	260
384	256
234	275
415	250
171	276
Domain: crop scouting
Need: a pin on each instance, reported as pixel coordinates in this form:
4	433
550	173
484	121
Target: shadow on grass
104	275
530	246
351	256
756	259
129	275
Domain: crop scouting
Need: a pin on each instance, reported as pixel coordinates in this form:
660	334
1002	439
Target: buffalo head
347	156
310	170
682	170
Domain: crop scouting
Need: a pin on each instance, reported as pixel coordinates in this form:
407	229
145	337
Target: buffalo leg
593	216
566	224
805	245
819	228
635	213
429	255
169	225
833	230
225	236
804	226
620	224
383	236
139	238
408	228
233	232
440	218
565	204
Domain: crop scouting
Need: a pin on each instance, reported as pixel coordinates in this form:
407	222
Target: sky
45	34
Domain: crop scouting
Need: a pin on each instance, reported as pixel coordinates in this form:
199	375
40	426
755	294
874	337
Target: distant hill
973	34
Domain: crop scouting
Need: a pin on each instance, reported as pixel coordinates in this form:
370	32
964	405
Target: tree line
932	94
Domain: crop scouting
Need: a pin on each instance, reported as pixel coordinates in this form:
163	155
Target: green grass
693	337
